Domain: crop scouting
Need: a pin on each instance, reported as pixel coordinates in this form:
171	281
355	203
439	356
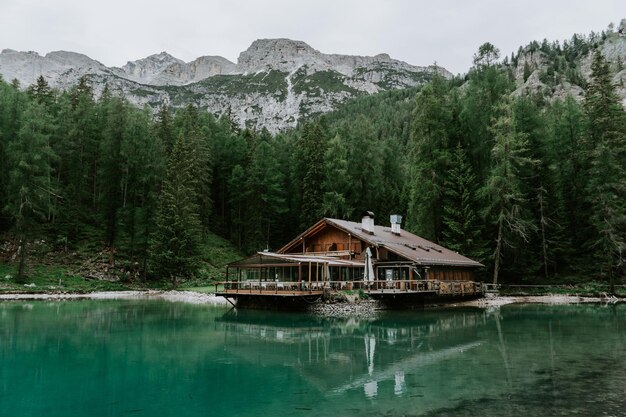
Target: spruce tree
265	196
364	164
79	156
142	164
194	127
313	146
41	91
175	244
237	201
567	157
12	106
430	158
606	191
111	198
504	187
29	172
164	130
336	183
488	84
462	225
527	71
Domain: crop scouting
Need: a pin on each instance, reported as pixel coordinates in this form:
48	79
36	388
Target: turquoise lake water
153	358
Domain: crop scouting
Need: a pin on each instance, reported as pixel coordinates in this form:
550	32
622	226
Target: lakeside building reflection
339	355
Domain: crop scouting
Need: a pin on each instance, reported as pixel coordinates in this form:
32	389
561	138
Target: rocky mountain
557	70
274	83
164	69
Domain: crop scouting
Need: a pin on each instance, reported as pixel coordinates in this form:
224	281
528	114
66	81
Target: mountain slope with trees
533	188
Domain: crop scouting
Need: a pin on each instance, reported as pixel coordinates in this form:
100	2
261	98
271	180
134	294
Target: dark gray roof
406	244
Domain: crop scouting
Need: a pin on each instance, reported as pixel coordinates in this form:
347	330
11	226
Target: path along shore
173	295
202	298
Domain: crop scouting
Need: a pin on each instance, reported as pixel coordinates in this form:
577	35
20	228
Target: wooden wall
327	240
449	274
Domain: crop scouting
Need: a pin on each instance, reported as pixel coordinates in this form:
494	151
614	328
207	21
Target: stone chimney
396	222
367	222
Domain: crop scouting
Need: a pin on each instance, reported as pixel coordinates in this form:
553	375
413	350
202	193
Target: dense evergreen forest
535	189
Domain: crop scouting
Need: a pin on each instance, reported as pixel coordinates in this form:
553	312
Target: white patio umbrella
369	268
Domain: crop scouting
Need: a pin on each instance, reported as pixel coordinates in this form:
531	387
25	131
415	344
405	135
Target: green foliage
29	181
527	71
322	82
462	225
487	55
270	82
175	248
50	279
265	196
433	117
607	169
92	173
336	181
506	207
312	154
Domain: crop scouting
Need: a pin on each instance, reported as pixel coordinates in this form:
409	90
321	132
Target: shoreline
190	297
548	299
193	297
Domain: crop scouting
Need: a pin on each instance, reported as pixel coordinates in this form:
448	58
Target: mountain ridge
274	83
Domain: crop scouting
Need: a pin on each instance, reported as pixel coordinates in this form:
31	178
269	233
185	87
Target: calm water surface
152	358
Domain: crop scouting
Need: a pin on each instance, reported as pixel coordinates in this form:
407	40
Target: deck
376	289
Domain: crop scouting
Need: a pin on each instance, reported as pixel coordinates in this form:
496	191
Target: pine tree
164	130
175	244
462	226
12	106
527	71
41	91
336	183
79	155
606	191
111	198
141	161
29	172
504	186
237	201
429	159
194	127
488	84
567	155
313	145
265	196
364	164
227	151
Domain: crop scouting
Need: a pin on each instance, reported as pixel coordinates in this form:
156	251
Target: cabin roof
406	244
261	258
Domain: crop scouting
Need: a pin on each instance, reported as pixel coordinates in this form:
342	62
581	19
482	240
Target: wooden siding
440	274
329	239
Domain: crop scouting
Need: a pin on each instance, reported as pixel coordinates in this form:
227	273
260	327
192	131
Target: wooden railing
380	286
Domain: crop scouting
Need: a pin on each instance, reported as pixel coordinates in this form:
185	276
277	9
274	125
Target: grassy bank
62	272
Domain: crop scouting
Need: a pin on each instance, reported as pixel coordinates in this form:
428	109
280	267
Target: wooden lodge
387	263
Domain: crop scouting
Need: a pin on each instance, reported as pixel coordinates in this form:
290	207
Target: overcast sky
418	32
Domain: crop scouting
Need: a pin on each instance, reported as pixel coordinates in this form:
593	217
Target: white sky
418	32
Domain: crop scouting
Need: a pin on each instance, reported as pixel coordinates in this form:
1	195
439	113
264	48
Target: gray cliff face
164	69
613	48
275	82
288	55
60	68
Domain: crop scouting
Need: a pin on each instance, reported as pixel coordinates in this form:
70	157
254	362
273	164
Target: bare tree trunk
20	268
496	267
544	245
611	279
